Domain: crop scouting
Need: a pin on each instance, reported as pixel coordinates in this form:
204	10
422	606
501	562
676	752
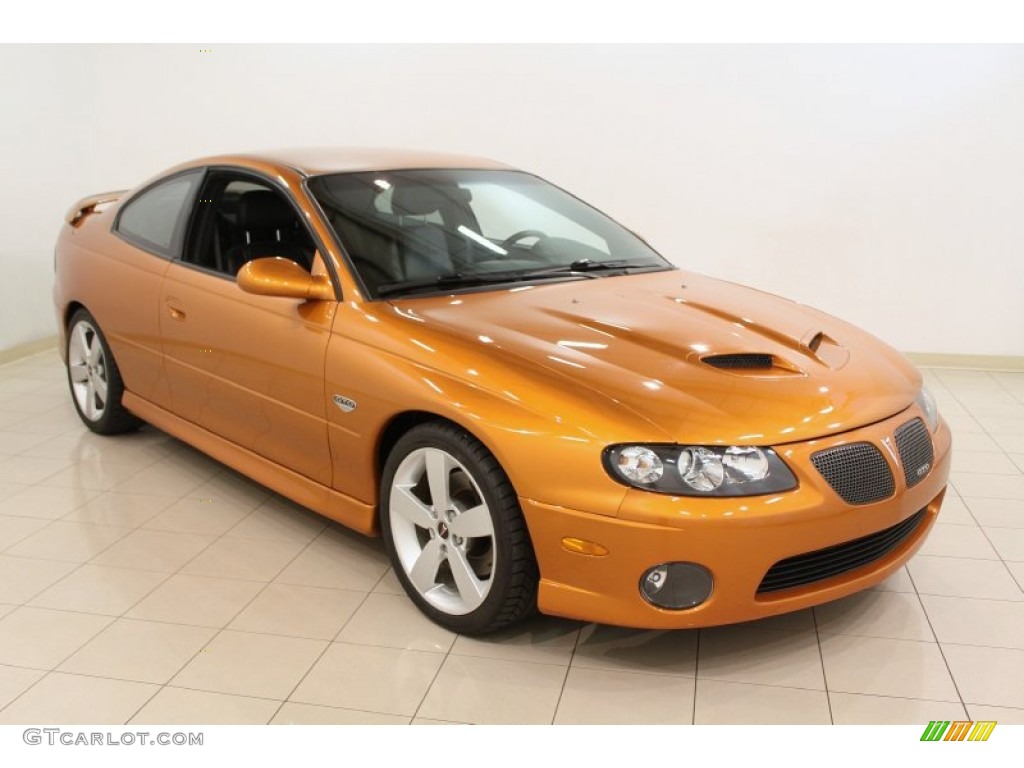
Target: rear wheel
454	531
96	386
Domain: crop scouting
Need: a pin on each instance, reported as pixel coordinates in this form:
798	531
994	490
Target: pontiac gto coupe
531	406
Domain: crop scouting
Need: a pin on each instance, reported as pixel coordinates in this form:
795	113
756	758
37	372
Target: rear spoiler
94	204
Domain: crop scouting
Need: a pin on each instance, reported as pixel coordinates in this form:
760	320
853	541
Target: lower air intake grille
832	561
857	472
915	449
740	360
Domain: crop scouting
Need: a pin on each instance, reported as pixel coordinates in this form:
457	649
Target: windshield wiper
584	266
454	280
581	268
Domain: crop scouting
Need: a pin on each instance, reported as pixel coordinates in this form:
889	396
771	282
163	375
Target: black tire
504	560
90	360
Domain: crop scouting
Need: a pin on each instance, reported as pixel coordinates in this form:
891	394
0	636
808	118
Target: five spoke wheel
454	531
442	531
87	369
95	381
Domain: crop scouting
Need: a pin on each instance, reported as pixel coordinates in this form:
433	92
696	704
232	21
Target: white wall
883	184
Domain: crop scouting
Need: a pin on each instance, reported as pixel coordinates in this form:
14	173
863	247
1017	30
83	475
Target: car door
245	367
149	231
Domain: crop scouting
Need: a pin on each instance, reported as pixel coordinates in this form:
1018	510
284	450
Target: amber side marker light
583	547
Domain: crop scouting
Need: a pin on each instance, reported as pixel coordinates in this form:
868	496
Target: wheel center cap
442	529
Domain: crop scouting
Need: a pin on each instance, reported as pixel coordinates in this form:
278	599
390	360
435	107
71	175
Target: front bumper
737	539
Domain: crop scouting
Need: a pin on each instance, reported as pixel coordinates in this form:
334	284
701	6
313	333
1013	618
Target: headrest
263	209
421	199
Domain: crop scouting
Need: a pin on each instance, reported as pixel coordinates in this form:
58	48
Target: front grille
915	447
857	472
832	561
740	360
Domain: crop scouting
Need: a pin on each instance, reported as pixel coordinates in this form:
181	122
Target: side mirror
277	276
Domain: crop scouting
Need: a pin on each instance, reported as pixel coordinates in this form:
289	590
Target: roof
316	160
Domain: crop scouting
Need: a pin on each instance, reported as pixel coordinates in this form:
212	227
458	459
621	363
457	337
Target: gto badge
923	469
345	403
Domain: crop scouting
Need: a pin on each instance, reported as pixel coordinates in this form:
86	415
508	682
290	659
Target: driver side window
239	218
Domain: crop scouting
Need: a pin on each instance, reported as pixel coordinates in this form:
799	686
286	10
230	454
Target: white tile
393	621
168	478
974	441
23	469
179	706
280	522
984	462
633	650
14	681
126	510
97	589
969	621
989	486
958	541
1002	715
73	542
542	639
287	609
993	676
885	667
1009	542
898	582
254	559
600	697
997	513
45	502
154	550
78	700
42	639
22	579
1002	425
369	678
138	650
743	654
719	702
14	529
96	474
958	577
247	664
350	565
494	691
861	709
197	600
311	714
229	487
872	613
202	516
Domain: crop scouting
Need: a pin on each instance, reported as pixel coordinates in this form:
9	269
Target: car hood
703	360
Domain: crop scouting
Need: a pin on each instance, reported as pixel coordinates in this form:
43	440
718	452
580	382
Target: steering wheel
522	235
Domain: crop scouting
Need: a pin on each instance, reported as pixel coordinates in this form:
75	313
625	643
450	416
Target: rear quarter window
155	219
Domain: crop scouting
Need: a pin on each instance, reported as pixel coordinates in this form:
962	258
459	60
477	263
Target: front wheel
95	381
454	531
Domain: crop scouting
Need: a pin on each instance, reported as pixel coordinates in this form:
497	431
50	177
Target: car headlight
926	402
699	470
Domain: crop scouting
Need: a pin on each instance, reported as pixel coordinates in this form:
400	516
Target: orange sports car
533	408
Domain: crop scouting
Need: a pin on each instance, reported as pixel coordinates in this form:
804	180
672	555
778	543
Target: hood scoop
752	364
742	360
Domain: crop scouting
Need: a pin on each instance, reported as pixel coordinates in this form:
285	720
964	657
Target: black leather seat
267	223
425	251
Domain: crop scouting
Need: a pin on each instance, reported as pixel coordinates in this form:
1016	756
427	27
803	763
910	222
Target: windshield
425	230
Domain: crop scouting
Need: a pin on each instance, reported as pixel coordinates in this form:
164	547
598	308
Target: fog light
676	586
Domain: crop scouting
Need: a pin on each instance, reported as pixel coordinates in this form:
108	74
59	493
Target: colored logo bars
958	730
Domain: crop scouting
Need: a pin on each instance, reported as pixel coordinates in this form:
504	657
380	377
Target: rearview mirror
277	276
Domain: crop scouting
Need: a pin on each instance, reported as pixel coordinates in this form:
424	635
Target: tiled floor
141	582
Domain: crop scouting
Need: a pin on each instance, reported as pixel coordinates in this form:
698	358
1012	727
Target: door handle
173	309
